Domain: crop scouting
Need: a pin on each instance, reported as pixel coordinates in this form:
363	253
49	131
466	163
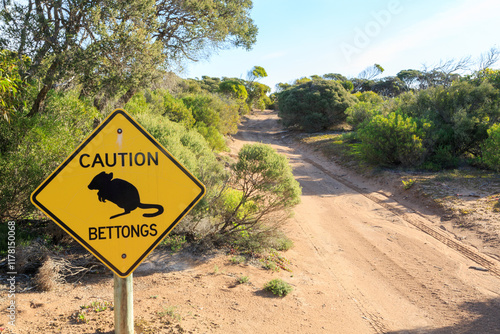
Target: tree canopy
117	46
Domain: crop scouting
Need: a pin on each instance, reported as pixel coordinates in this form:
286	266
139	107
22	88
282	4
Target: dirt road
362	263
370	258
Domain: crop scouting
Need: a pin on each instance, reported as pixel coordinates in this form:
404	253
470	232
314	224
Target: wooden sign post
124	304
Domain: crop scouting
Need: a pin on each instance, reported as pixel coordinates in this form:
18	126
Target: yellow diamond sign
119	193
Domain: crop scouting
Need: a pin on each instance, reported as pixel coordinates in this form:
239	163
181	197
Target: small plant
97	306
174	242
408	184
238	259
171	311
278	287
275	261
243	279
81	318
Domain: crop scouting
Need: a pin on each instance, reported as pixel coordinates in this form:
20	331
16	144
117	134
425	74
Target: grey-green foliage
461	116
191	149
278	287
369	105
490	148
262	185
314	105
33	147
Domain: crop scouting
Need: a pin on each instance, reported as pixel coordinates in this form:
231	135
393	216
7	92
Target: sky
299	39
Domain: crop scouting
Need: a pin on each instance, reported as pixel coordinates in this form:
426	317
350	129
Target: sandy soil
365	260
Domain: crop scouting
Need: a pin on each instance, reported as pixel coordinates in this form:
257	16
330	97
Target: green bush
461	114
361	112
233	202
370	97
33	147
314	105
192	150
213	137
278	287
214	117
490	148
263	191
175	242
392	140
176	111
13	88
234	88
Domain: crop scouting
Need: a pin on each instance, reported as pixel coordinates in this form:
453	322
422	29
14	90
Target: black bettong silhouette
121	193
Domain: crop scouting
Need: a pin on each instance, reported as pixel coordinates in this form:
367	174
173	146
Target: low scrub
392	140
31	148
278	287
314	105
490	149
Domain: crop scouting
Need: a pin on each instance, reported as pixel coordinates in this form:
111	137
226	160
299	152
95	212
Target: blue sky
299	38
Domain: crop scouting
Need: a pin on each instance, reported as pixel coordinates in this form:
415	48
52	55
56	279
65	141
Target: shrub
361	112
192	150
490	148
176	111
214	118
314	105
243	279
257	95
213	137
31	148
461	114
264	190
369	96
278	287
392	140
234	89
174	242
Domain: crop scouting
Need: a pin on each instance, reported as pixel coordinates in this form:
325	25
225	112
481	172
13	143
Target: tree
108	40
234	89
257	92
282	86
11	84
257	95
256	73
410	77
389	86
125	56
334	76
371	72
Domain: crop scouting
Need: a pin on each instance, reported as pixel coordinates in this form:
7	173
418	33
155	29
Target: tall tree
256	73
116	46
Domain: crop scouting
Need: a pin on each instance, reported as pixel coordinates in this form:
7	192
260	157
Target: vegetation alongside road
421	122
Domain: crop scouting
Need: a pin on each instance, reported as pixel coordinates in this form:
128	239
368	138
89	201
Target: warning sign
119	193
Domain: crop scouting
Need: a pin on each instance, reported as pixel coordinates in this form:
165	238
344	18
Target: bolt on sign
119	193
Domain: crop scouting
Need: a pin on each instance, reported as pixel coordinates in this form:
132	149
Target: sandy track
392	264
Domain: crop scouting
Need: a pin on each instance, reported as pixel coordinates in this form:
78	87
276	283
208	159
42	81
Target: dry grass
48	277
